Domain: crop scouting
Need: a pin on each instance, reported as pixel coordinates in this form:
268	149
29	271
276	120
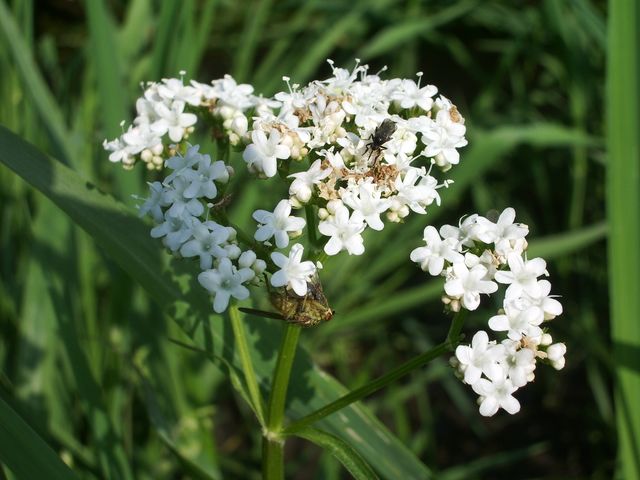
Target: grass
623	196
86	358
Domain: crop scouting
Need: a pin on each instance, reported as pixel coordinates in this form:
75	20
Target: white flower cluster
364	138
179	207
166	110
474	258
352	148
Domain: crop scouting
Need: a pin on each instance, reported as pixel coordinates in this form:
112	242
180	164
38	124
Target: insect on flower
307	311
381	135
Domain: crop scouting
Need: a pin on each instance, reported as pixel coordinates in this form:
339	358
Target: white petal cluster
293	272
356	182
356	150
279	224
178	206
475	257
167	114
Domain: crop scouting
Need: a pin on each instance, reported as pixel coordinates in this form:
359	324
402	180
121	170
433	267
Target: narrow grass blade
623	205
255	21
32	79
104	56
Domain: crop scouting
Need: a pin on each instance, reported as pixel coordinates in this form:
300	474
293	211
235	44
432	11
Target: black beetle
381	135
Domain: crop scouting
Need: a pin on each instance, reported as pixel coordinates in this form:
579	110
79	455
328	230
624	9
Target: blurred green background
84	353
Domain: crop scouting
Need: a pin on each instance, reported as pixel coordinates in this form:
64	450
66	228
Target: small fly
381	135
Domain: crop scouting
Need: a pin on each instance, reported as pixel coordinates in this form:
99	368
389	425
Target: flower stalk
273	441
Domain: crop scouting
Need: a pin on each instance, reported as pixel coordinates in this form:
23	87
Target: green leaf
566	243
30	75
341	450
25	452
126	238
103	55
623	205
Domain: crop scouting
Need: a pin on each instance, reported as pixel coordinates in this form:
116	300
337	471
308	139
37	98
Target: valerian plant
355	151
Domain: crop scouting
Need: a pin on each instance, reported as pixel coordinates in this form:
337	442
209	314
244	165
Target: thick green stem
247	365
453	338
272	458
273	442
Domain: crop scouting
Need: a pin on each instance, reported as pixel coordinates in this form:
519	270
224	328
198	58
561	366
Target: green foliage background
93	362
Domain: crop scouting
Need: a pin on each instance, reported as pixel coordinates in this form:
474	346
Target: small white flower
343	229
518	322
409	94
496	393
120	151
503	229
522	276
433	256
224	282
464	232
366	200
173	89
172	120
479	357
202	181
550	307
302	186
469	284
293	271
140	137
556	353
519	362
442	139
152	204
278	224
262	155
175	230
180	164
417	195
206	243
176	196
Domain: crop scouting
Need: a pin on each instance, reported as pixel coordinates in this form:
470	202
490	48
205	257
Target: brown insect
307	311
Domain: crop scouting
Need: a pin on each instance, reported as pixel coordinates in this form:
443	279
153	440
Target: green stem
273	442
457	323
453	338
311	225
245	360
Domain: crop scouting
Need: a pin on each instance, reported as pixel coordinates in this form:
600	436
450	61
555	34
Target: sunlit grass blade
623	205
